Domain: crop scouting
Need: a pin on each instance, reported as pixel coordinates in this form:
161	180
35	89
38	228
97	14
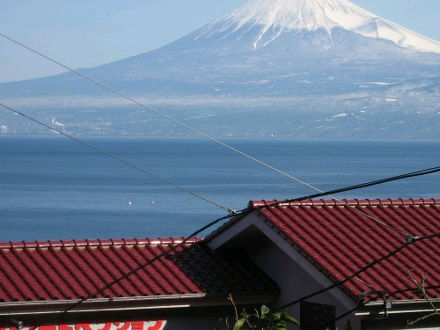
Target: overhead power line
161	114
371	298
192	129
427	171
229	210
408	236
172	249
405	245
242	213
410	239
119	159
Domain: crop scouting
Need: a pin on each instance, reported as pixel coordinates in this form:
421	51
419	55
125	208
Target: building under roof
374	252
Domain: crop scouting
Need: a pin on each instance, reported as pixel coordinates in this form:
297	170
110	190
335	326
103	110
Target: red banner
124	325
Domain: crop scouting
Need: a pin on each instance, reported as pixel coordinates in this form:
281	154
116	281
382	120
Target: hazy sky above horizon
84	33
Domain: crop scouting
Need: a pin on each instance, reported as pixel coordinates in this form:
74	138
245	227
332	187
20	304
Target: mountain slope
329	61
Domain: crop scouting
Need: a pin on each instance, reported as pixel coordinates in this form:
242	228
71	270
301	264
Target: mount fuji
287	68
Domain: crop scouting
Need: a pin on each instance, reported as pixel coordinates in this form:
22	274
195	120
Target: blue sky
84	33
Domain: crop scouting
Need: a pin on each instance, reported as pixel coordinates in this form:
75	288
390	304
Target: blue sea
53	188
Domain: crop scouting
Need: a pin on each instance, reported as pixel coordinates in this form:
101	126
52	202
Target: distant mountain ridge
320	67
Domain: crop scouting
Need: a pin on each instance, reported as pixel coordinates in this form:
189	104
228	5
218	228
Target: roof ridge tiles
350	202
95	242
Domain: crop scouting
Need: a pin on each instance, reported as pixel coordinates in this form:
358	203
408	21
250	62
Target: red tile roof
338	239
68	270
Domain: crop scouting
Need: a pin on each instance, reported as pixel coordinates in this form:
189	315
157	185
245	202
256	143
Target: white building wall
294	282
295	275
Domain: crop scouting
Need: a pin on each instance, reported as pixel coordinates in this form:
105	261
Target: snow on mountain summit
275	17
301	14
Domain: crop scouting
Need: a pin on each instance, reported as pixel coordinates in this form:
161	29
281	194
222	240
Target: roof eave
130	303
377	308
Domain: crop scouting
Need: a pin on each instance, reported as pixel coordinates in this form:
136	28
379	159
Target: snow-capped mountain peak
301	14
278	16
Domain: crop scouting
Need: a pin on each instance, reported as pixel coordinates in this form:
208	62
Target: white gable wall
295	275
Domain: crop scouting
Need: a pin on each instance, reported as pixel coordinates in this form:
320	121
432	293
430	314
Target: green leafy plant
264	319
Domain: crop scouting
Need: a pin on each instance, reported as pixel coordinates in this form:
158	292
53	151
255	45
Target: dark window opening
317	316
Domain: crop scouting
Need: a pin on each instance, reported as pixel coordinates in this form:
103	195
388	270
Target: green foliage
262	320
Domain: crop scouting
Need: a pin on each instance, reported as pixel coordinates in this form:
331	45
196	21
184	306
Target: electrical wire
408	175
194	234
161	114
237	214
410	238
164	254
230	210
192	129
427	171
380	181
353	187
414	240
114	157
364	302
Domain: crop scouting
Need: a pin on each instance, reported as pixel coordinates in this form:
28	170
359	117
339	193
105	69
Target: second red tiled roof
339	240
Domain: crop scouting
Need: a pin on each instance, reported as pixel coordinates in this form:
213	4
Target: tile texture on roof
338	240
60	270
